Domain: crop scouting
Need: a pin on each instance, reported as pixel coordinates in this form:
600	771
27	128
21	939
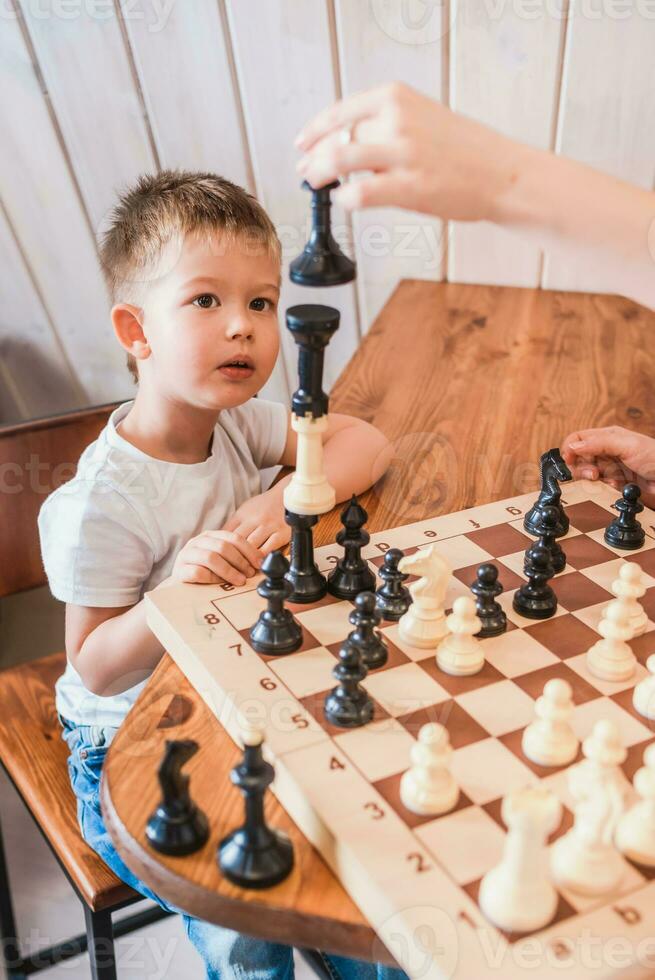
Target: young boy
171	489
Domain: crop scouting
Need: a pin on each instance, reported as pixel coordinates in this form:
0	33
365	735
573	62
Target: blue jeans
225	953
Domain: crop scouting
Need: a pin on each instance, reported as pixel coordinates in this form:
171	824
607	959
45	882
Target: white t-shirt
113	532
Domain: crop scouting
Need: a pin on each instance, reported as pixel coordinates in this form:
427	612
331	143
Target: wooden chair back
36	457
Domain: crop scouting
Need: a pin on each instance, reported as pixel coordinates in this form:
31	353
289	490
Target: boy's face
211	323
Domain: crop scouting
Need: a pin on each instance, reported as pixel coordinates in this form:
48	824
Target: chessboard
416	878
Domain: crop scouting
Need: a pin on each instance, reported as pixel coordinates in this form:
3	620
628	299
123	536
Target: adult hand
422	156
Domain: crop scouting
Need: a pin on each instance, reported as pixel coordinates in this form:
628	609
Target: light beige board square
499	708
404	689
337	792
378	750
242	609
608	571
487	770
467	843
329	624
621	552
306	673
414	653
586	715
517	653
579	665
460	552
506	600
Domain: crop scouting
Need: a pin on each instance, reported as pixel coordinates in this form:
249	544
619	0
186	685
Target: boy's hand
215	556
615	455
261	521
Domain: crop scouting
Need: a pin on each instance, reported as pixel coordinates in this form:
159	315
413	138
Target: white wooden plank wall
93	92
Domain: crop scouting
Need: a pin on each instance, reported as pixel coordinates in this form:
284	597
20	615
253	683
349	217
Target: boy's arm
112	649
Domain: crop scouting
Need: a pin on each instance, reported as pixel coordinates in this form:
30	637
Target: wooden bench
35	458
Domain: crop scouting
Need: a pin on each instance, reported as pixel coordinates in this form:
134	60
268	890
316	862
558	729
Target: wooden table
472	384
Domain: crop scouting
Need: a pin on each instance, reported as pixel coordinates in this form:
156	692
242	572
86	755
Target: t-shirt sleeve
264	425
94	547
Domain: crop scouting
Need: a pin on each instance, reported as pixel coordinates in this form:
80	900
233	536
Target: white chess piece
550	740
428	786
585	859
643	696
611	659
308	491
424	623
517	894
635	833
629	588
460	653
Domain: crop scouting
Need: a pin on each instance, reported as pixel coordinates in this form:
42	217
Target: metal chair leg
100	934
11	956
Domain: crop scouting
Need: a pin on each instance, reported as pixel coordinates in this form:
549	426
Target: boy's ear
126	320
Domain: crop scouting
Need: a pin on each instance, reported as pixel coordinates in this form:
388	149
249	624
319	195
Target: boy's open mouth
237	368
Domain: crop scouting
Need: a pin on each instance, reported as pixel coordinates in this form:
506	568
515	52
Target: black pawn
348	704
625	531
352	575
536	599
548	526
177	826
367	638
393	599
276	631
254	856
321	262
307	583
485	589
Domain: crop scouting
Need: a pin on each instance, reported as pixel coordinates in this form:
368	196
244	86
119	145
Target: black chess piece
553	469
536	599
485	589
365	617
276	631
254	855
321	262
311	325
625	531
393	599
177	826
548	525
308	584
348	705
352	575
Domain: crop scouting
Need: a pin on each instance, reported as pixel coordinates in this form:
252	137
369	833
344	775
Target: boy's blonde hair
164	207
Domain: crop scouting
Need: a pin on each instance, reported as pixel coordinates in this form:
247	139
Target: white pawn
643	696
585	859
517	895
550	740
628	588
460	653
611	659
635	833
428	786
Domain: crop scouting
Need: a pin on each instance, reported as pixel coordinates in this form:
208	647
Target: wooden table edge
280	924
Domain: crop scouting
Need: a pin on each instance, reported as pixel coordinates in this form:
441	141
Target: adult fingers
356	107
610	441
338	160
381	190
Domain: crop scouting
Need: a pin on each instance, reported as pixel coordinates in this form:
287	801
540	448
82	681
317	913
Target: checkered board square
342	787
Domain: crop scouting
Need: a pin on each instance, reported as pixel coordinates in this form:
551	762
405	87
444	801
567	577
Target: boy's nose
240	328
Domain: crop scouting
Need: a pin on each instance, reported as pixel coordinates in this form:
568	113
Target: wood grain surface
471	384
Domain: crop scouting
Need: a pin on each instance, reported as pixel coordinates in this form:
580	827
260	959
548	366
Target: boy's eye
259	300
205	301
